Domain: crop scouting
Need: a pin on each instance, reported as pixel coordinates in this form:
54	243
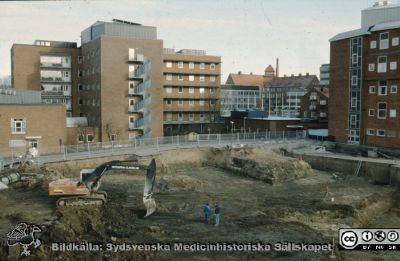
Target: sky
247	34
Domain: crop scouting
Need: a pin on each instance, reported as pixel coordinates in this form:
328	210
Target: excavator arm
92	180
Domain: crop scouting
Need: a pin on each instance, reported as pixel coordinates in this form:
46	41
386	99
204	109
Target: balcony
322	114
322	102
313	107
140	124
55	65
182	121
140	72
139	89
55	79
139	106
139	58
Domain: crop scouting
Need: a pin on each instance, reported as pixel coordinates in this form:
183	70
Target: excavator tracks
95	199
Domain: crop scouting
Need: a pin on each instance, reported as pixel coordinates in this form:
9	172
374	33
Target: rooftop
240	87
245	79
301	81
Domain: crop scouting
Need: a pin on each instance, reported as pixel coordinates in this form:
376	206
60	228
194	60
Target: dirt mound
183	182
260	163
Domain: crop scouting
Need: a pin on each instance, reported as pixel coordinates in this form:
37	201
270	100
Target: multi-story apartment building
123	81
364	80
282	95
314	104
46	66
191	91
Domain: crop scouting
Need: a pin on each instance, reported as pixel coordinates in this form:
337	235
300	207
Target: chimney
299	74
277	67
239	72
307	74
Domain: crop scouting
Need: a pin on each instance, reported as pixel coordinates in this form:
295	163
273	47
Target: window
371	67
90	138
382	89
169	77
180	77
395	41
180	64
169	116
393	89
371	89
372	44
211	90
201	90
169	89
202	66
80	87
212	102
212	78
380	133
201	116
354	80
81	138
191	90
370	132
180	102
80	102
392	113
353	102
168	101
383	41
191	116
191	65
191	102
202	78
393	66
201	102
191	78
79	59
168	64
113	137
180	115
382	60
80	74
180	90
371	112
382	110
354	58
212	66
18	126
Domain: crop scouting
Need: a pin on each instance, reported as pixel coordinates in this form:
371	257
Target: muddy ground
253	210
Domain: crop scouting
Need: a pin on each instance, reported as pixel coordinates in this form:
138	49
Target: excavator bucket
148	200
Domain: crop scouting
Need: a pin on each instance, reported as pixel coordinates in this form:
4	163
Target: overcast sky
247	34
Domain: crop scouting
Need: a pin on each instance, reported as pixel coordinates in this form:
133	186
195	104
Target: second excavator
85	191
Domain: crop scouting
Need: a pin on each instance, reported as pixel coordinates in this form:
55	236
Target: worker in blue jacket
207	211
217	214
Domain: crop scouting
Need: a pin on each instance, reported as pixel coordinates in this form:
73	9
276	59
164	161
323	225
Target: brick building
25	123
314	104
117	79
191	91
364	79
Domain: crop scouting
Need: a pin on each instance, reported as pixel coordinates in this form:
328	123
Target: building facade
314	104
191	91
282	95
123	81
47	66
364	84
324	75
239	98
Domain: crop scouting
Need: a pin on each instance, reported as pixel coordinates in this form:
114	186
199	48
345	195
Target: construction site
287	192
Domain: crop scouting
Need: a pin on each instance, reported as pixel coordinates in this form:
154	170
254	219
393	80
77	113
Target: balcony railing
140	88
55	65
55	79
141	71
139	58
140	123
140	106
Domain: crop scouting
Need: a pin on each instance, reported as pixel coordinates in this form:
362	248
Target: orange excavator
85	191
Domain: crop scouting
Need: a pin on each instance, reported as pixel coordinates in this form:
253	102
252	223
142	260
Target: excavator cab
85	191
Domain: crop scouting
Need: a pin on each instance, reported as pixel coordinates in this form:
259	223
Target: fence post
177	136
88	147
198	140
219	139
254	136
238	140
157	144
64	152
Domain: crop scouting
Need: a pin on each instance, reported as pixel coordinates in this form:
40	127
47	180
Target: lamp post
232	126
232	132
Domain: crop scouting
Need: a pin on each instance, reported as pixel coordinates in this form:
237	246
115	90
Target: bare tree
110	129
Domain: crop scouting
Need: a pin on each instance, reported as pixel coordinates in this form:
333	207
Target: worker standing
207	211
217	214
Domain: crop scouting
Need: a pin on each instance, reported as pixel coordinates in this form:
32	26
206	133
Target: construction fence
143	146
